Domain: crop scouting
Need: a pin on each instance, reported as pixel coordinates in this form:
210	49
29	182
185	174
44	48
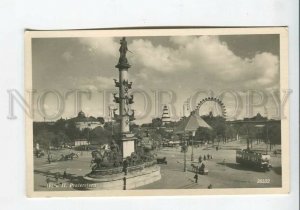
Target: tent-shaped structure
191	124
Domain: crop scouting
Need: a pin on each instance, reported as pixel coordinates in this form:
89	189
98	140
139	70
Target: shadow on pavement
277	170
53	175
237	166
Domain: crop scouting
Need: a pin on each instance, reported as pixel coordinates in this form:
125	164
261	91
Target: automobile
162	160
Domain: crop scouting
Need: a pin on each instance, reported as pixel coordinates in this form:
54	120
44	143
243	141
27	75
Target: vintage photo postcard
157	112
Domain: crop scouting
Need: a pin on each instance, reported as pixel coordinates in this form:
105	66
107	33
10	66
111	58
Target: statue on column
123	50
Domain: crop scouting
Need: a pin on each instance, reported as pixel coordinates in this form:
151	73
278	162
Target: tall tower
124	100
186	108
165	115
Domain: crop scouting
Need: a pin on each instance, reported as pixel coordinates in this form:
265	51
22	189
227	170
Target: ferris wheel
211	105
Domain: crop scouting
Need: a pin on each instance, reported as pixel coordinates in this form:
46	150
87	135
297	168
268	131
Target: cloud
104	46
92	83
206	59
182	64
202	58
157	58
104	82
216	61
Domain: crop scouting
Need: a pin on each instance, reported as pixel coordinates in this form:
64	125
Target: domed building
82	122
81	114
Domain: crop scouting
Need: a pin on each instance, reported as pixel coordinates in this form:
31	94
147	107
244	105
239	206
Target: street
224	172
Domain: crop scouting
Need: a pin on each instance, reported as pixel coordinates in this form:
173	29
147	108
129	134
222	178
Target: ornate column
124	100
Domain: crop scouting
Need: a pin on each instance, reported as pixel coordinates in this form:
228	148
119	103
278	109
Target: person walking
56	177
65	175
200	159
49	158
196	178
47	181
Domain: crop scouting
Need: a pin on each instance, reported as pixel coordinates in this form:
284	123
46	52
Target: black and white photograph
124	105
157	112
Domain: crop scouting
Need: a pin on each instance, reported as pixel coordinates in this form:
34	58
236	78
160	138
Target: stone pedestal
128	146
120	181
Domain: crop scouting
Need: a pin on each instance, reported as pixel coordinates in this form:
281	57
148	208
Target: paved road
228	175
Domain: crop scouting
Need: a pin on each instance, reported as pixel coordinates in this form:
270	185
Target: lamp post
192	155
184	152
268	140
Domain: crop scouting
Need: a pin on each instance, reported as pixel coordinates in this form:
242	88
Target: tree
101	120
46	139
229	132
112	127
101	135
63	138
218	125
59	125
84	133
156	138
156	122
251	134
275	134
272	134
204	134
134	127
72	131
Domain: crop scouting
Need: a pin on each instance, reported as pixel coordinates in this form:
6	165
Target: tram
253	159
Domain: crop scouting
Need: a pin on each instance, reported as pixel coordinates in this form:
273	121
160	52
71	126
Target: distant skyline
182	64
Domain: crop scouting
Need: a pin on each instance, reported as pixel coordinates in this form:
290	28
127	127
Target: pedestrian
211	157
217	148
196	178
200	159
209	186
56	177
49	159
208	156
47	180
204	157
65	175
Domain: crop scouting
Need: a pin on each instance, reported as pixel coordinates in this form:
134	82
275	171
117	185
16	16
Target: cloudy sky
182	64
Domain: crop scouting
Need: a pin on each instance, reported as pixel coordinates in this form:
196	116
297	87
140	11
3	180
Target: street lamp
192	155
184	152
